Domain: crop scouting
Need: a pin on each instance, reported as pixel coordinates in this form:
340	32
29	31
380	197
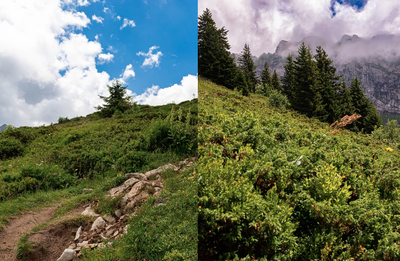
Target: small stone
126	229
89	212
115	233
109	219
86	190
67	255
98	223
77	249
118	213
78	233
110	232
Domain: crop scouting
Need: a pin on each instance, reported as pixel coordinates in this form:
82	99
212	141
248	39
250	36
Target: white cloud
151	59
46	69
105	57
263	24
128	73
126	23
83	2
98	19
177	93
106	10
118	17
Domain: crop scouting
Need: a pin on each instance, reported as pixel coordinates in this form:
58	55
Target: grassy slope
275	184
88	152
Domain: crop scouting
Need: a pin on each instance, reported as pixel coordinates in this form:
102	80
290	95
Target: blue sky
60	55
169	25
357	4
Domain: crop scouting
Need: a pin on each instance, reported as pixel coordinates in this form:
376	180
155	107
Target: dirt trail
19	225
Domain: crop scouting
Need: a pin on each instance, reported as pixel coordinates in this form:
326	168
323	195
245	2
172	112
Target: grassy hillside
50	164
276	185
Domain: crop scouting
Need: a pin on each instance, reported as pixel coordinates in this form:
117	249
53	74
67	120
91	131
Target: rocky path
19	226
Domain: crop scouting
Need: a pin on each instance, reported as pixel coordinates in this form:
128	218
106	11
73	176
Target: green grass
276	185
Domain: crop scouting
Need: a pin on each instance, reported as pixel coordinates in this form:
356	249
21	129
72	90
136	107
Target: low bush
10	147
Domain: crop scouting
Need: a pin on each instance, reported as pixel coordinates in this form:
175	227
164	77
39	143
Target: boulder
89	212
98	223
139	176
136	189
109	219
67	255
117	191
130	182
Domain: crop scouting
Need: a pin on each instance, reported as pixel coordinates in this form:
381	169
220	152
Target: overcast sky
57	56
264	23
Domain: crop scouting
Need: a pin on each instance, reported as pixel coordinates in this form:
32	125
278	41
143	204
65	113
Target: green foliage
63	120
275	185
266	75
276	84
278	100
10	147
389	133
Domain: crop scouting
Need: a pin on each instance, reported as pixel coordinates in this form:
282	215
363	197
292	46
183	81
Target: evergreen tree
248	67
305	72
276	84
266	75
364	107
214	61
288	79
344	97
118	100
241	83
328	86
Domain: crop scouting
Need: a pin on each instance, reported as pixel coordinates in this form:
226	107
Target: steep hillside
276	185
52	165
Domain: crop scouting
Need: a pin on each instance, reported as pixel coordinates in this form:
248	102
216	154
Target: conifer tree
214	61
266	75
241	83
364	107
248	67
306	83
118	100
328	85
276	84
288	79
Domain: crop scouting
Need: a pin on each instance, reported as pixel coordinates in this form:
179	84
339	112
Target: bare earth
20	225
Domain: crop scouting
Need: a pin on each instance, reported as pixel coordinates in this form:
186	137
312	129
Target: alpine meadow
297	167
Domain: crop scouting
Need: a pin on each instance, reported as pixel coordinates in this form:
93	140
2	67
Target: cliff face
375	61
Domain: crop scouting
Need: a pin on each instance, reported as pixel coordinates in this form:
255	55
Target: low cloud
186	90
126	23
103	58
97	19
47	69
128	72
264	23
151	59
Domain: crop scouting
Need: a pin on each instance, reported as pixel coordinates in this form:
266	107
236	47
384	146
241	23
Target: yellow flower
389	149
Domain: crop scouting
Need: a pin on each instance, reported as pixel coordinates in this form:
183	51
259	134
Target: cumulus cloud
151	59
47	69
177	93
264	23
128	73
98	19
103	58
126	23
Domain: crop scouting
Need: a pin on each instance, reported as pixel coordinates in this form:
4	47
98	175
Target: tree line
309	82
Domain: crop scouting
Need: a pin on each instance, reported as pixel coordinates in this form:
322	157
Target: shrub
278	100
63	120
10	147
388	134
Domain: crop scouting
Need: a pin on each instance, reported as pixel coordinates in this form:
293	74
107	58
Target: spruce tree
266	75
288	79
241	83
328	87
364	107
248	67
276	84
214	61
306	83
117	101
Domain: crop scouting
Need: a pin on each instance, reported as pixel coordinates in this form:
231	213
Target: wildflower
389	149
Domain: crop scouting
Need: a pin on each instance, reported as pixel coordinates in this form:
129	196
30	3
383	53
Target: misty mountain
376	62
3	127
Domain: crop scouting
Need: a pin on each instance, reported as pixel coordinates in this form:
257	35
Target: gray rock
89	212
98	223
139	176
78	233
109	219
130	182
118	213
67	255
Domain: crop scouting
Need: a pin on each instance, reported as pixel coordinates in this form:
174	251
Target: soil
24	223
